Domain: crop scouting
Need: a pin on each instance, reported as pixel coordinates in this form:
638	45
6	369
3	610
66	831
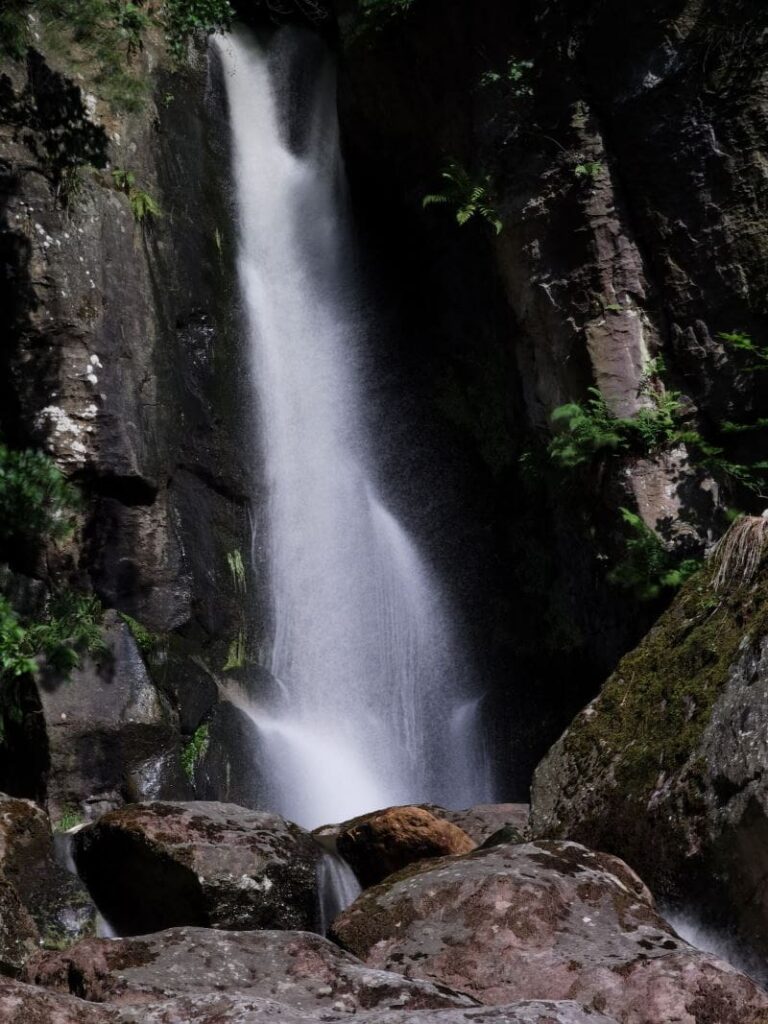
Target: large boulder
299	969
484	820
18	933
25	1004
379	844
55	898
162	865
544	920
668	766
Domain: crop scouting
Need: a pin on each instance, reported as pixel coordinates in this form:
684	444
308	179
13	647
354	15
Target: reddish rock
24	1004
379	844
545	920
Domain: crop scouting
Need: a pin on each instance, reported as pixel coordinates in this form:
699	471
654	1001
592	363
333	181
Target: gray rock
483	820
298	969
161	865
544	921
111	734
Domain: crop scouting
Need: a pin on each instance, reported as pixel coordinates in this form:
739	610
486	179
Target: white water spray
378	705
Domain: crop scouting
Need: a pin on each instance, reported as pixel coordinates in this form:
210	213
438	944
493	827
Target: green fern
470	198
648	568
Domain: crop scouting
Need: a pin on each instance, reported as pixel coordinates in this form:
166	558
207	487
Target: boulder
544	920
668	766
527	1012
162	865
104	735
299	969
25	1004
482	821
55	898
18	933
379	844
229	1009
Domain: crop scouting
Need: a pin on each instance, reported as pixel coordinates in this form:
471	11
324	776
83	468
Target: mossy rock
668	766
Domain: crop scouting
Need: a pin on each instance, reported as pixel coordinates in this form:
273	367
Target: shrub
14	28
515	77
647	568
183	18
586	430
36	500
70	630
376	14
471	197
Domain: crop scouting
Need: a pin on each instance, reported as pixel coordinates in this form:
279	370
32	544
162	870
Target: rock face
617	151
113	347
161	865
377	845
56	900
300	970
667	767
544	920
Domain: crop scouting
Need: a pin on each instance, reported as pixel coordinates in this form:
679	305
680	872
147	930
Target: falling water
377	701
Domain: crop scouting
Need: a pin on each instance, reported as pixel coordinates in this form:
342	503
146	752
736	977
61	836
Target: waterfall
377	703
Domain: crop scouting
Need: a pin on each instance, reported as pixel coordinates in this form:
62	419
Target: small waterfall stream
377	703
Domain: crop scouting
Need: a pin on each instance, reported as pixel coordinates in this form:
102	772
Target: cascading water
377	704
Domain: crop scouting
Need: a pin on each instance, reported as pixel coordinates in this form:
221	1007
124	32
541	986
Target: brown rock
545	921
389	840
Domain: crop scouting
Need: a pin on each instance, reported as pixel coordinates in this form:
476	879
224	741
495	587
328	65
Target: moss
652	713
146	640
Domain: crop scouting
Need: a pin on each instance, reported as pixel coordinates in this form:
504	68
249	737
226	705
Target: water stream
378	703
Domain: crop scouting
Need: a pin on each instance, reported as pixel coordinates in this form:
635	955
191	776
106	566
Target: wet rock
54	897
161	865
299	969
18	933
379	844
544	921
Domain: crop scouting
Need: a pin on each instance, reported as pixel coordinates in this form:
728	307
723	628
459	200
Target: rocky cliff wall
120	358
621	151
